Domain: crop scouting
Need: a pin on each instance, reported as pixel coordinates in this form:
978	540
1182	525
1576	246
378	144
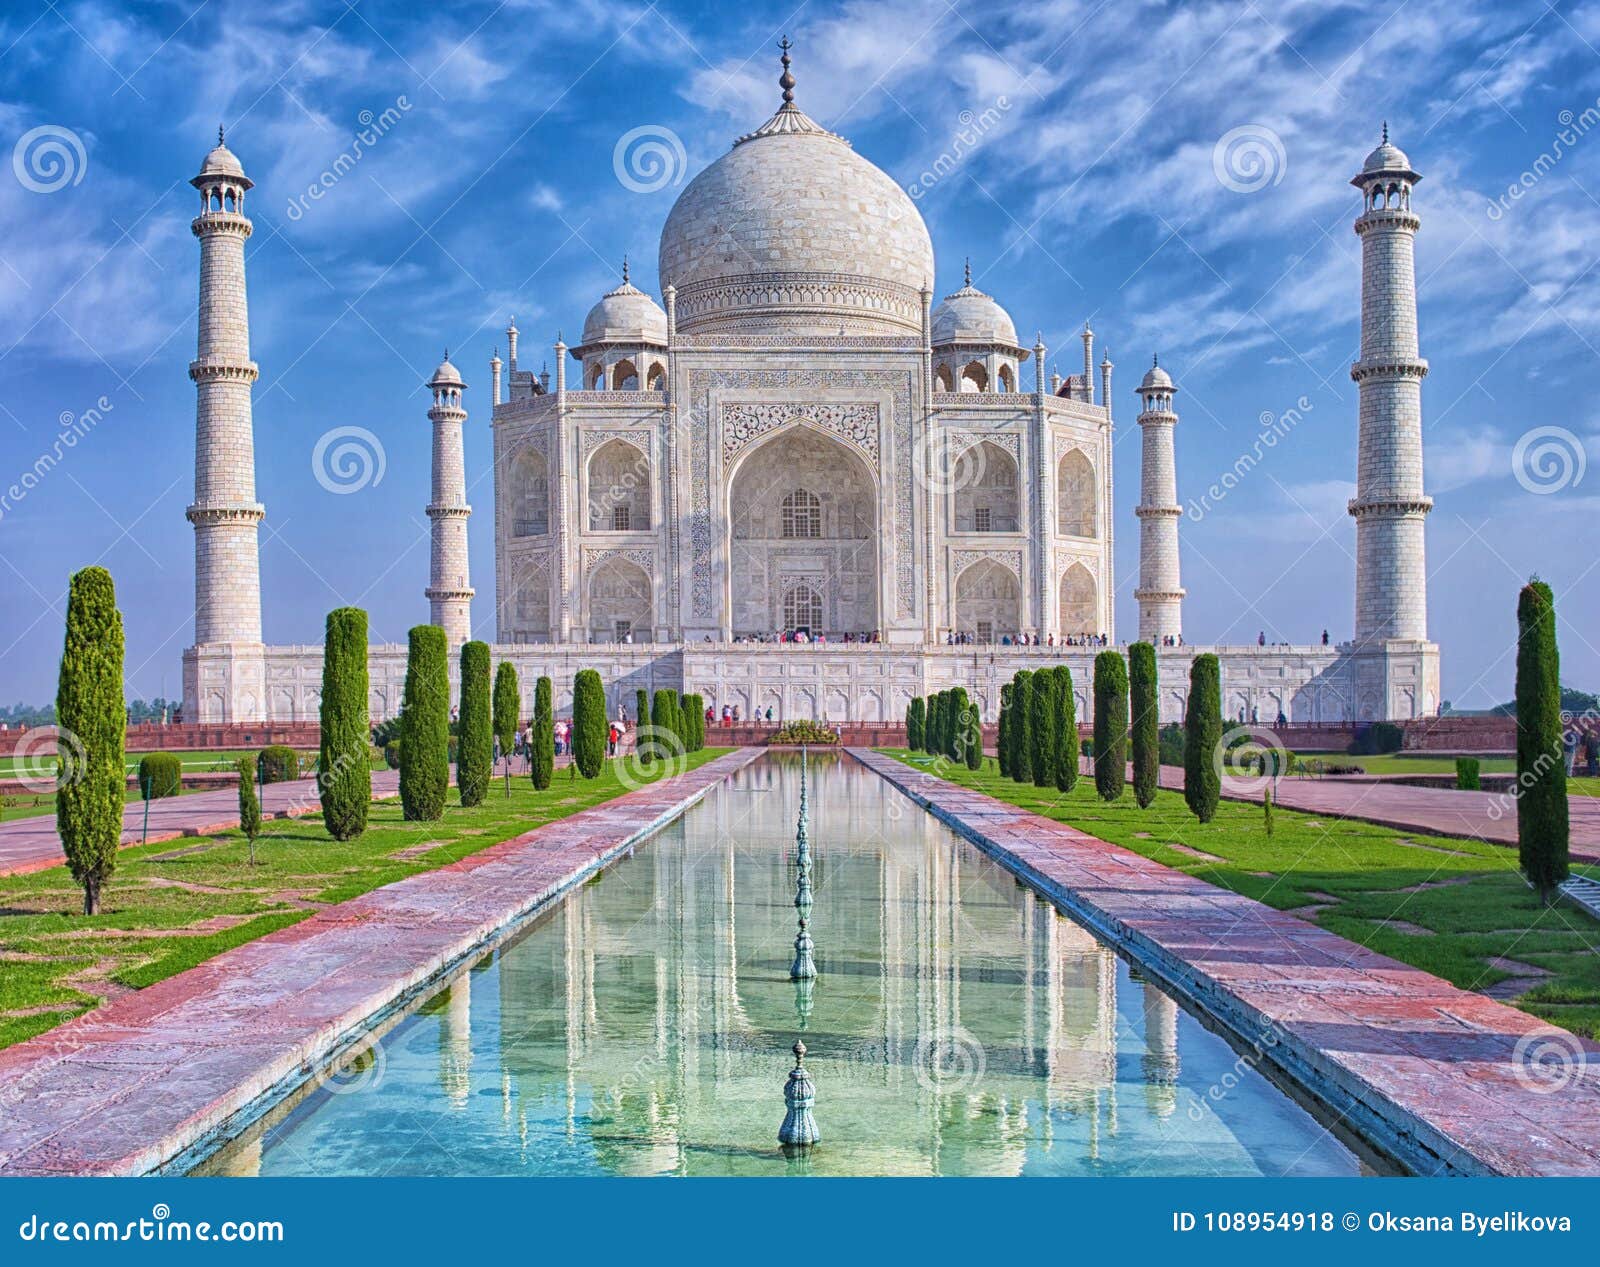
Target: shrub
1110	724
1379	737
804	732
344	770
1022	738
1542	841
542	736
384	731
391	754
1266	808
916	714
425	726
475	739
1066	762
160	775
507	706
279	764
1467	774
589	723
1087	747
1003	741
249	804
1144	703
90	707
1202	730
1043	710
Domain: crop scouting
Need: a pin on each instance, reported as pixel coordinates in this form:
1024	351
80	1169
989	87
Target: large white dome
792	232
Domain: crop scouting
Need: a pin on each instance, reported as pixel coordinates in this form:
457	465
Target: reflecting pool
958	1025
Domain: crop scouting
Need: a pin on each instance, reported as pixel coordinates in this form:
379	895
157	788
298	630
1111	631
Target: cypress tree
643	753
250	804
1067	749
974	744
916	714
1542	828
344	772
507	706
957	749
1022	736
1042	727
1110	724
694	722
1145	704
1002	741
91	721
1202	736
930	733
425	726
588	723
542	759
663	718
475	744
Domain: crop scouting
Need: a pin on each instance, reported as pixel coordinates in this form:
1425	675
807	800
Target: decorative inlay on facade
594	559
592	438
746	421
1011	560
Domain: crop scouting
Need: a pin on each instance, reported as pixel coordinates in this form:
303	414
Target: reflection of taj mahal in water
800	437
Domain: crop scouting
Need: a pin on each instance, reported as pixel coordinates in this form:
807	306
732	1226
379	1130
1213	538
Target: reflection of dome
792	230
625	315
970	316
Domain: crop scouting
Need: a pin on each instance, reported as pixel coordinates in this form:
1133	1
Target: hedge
90	709
425	726
1542	839
589	723
160	775
1202	735
278	764
344	769
542	737
1467	778
1110	724
1144	703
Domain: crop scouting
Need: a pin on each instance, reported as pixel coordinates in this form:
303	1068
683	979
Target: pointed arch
1008	379
530	494
656	379
1077	496
974	378
986	489
618	475
1079	608
619	601
988	601
942	380
624	376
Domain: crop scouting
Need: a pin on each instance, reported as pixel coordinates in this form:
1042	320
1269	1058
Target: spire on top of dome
790	119
967	274
624	269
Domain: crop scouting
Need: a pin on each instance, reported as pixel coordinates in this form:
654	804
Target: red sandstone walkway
31	844
130	1086
1447	1080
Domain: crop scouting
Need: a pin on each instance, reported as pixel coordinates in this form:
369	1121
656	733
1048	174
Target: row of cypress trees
1038	741
946	724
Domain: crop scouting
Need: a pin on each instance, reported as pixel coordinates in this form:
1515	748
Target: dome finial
1386	131
219	134
1155	359
624	270
786	80
968	274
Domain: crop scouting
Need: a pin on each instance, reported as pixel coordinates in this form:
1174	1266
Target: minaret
1088	363
494	379
1389	506
449	592
227	561
1160	595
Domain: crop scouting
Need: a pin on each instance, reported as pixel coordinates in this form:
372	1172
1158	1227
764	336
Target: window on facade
983	519
624	630
802	514
986	631
802	609
619	518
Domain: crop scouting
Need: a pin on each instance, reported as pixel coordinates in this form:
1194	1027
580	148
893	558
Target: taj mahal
800	437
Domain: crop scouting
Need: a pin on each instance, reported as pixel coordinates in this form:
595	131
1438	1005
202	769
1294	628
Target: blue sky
1100	188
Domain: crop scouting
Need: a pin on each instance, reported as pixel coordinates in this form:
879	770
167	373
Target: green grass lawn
1443	904
173	905
1405	763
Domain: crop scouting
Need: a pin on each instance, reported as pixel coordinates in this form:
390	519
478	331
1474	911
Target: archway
619	602
802	512
988	601
974	378
1079	611
530	607
1076	500
942	381
624	377
619	488
1008	380
530	495
986	489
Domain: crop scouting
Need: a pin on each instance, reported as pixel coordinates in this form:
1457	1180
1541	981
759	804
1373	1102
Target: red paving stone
1431	1071
31	844
125	1089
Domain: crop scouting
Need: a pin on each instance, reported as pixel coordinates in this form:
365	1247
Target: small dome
222	162
1386	158
625	315
1155	377
446	375
970	316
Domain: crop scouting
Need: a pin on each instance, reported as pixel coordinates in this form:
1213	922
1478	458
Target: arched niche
619	488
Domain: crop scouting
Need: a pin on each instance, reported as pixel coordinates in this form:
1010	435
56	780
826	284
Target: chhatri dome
1155	376
625	315
793	232
970	316
222	162
1386	158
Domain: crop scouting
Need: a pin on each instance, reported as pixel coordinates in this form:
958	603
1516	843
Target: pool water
959	1025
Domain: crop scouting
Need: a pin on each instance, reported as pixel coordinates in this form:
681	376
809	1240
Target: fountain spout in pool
799	1127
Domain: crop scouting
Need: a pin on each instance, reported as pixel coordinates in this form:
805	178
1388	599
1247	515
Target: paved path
31	844
126	1088
1442	1078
